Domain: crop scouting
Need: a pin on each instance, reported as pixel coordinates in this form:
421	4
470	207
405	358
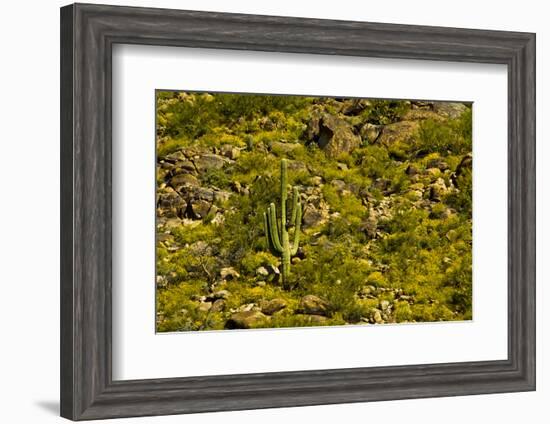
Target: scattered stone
437	190
262	272
438	163
313	305
229	273
370	132
230	151
317	319
316	180
272	306
411	170
209	161
342	166
402	131
333	134
221	294
384	305
377	316
338	184
205	306
448	109
184	180
313	216
218	306
245	319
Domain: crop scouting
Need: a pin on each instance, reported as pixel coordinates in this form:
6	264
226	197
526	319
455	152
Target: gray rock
273	306
313	305
262	272
377	316
229	273
402	131
230	151
218	306
370	132
184	180
452	110
384	305
246	319
333	134
210	161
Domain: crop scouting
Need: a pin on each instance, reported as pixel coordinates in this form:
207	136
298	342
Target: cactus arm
295	197
298	224
283	195
273	233
268	235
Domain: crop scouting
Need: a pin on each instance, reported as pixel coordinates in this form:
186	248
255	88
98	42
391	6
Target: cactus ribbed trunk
277	236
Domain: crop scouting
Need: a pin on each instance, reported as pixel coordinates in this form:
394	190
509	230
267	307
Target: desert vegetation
377	211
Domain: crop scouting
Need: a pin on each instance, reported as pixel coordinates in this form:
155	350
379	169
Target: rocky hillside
386	227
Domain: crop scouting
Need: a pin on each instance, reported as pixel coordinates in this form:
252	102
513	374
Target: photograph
280	211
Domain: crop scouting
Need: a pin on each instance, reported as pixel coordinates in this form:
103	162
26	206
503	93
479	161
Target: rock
246	319
354	106
262	272
451	110
369	227
437	190
342	166
260	283
200	248
417	114
316	180
229	273
377	316
437	163
230	151
210	161
333	134
313	305
184	180
465	164
317	319
198	209
312	217
161	281
221	294
218	306
338	184
384	305
411	170
183	167
370	132
272	306
170	204
205	306
432	172
402	131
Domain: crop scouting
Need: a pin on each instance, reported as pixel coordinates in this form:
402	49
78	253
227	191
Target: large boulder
209	161
448	109
402	131
333	134
313	305
246	319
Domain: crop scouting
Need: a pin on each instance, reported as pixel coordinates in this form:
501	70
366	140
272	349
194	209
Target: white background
30	213
138	70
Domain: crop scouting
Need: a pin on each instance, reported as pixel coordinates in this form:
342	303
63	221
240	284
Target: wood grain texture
88	33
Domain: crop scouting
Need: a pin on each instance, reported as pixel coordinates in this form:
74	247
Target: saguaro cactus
276	233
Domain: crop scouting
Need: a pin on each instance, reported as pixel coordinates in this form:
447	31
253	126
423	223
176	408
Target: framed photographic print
268	211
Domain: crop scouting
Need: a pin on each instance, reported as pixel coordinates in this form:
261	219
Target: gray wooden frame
88	33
